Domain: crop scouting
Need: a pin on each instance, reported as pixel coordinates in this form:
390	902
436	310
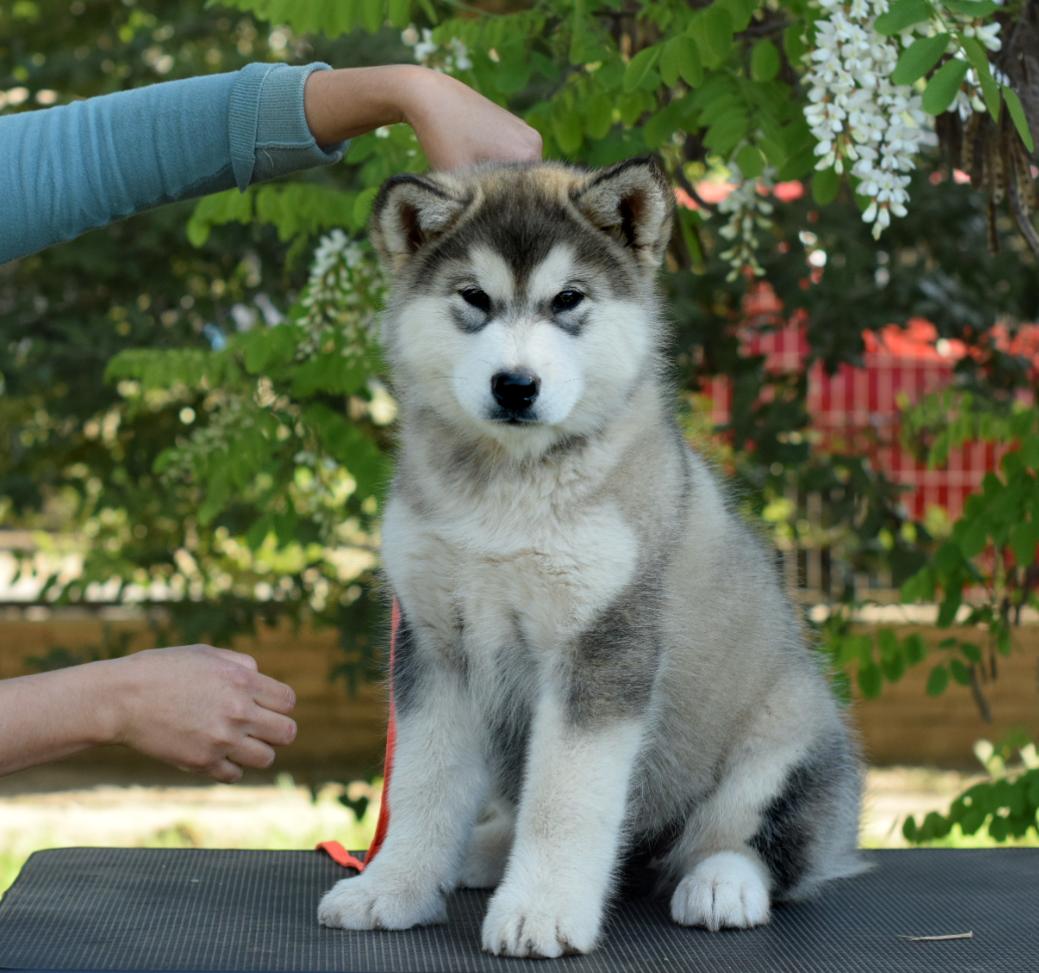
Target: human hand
201	709
454	125
458	127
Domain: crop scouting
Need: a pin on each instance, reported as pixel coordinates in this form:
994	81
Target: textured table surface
164	909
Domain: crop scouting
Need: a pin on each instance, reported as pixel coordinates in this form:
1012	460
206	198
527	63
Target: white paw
487	854
727	890
540	924
366	902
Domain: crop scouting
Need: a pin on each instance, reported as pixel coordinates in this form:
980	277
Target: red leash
334	849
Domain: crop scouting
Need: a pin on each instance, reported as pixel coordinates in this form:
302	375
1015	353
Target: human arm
201	709
68	169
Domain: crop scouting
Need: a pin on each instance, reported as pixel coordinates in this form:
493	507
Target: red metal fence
857	408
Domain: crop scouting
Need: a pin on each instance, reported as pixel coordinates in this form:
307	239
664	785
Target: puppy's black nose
515	391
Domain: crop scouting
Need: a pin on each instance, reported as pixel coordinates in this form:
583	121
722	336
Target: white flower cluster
453	58
859	118
345	285
746	211
855	112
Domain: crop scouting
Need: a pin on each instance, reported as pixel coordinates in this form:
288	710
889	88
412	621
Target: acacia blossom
746	211
344	285
860	119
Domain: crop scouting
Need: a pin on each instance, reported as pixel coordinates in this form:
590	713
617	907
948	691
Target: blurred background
196	428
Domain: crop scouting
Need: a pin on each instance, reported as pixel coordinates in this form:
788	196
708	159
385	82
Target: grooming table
176	910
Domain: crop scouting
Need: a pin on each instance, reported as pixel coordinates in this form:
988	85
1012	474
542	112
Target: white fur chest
512	561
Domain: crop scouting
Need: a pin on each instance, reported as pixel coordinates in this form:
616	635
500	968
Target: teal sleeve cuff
268	129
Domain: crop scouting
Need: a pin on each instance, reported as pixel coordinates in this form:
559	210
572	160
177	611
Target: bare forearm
348	102
53	715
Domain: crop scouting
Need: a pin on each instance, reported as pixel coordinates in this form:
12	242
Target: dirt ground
65	806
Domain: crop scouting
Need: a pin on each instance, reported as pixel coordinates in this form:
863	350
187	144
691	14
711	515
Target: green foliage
1006	805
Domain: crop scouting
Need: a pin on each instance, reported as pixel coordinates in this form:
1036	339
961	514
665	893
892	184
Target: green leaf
739	11
997	829
949	607
1033	787
669	62
398	12
691	66
959	672
712	29
566	130
363	205
893	668
937	681
264	348
794	44
1023	543
902	14
825	185
751	161
1030	450
764	61
971	651
373	15
723	136
1017	115
944	84
978	57
640	66
975	9
973	538
918	58
680	58
870	681
598	115
914	649
972	820
920	586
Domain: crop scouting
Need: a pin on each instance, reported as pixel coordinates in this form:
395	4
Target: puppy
591	641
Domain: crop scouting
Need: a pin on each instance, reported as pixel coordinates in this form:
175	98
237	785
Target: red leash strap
340	855
334	849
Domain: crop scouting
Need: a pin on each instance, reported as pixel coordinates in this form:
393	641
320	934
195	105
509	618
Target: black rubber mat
161	909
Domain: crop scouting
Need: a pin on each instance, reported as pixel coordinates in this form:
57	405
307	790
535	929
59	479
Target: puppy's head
522	301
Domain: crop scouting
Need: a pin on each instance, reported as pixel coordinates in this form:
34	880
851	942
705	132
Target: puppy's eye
477	298
566	301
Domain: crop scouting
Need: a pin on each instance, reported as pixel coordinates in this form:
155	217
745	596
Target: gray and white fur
596	663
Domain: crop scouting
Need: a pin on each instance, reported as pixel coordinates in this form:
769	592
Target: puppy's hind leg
780	822
489	847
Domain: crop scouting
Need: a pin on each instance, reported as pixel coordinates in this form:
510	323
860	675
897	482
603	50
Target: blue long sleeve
66	170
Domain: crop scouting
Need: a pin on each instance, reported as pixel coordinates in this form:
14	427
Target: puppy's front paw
727	890
540	924
366	902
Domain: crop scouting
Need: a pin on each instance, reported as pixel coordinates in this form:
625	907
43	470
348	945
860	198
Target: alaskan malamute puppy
592	644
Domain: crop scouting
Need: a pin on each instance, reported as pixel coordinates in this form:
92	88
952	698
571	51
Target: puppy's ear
410	212
632	202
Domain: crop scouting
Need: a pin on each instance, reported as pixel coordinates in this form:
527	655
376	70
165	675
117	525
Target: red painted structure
857	409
